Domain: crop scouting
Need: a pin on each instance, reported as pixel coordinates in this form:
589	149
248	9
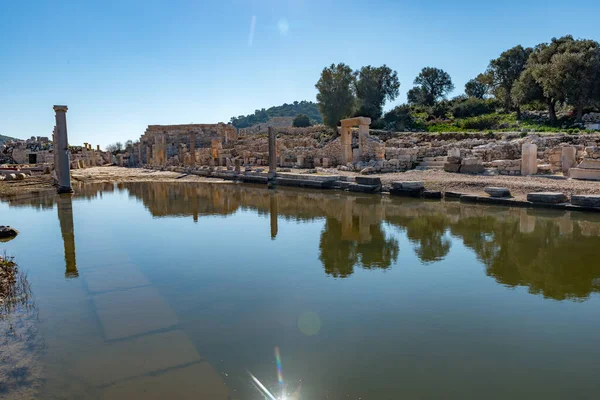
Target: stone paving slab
114	362
133	312
119	277
197	381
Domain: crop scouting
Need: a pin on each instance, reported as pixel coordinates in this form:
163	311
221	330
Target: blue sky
122	65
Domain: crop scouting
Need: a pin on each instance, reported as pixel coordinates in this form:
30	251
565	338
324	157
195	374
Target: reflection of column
526	222
62	148
273	209
65	218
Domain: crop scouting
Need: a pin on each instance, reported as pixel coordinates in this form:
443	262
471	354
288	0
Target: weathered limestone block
529	159
367	180
585	174
449	167
408	185
593	152
357	187
497	191
585	200
547	197
568	158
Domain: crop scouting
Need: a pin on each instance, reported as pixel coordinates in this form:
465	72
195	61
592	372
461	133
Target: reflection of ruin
65	218
554	254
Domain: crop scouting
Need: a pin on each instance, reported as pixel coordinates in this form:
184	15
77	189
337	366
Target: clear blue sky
121	65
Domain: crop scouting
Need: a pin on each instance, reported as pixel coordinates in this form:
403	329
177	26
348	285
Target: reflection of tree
340	251
427	232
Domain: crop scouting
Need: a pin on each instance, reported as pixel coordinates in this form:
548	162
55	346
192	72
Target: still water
183	290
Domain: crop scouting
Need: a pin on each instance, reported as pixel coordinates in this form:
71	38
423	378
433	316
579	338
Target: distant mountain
286	110
5	138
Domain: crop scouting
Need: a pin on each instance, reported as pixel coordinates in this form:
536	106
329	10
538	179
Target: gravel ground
434	180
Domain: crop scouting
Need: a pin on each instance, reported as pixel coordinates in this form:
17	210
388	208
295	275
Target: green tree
375	86
433	84
477	87
567	70
301	121
336	97
399	118
526	90
505	70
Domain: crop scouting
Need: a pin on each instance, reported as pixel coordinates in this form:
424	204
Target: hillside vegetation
286	110
5	138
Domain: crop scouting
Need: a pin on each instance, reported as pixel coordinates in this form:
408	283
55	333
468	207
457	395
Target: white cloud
252	26
283	26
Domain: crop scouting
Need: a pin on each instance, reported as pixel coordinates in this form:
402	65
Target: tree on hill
477	87
308	108
301	121
374	86
505	70
336	98
433	84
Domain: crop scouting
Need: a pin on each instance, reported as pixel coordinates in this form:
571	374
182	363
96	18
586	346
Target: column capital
60	108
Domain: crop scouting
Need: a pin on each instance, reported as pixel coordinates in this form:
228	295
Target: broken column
62	150
528	159
192	149
568	159
272	153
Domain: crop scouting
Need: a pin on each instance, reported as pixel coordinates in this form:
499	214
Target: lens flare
279	370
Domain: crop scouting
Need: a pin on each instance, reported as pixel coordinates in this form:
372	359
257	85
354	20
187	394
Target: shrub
301	121
472	107
399	118
439	110
480	123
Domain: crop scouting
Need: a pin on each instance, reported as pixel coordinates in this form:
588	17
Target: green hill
286	110
5	138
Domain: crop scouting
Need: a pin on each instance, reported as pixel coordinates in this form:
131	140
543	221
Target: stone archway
346	136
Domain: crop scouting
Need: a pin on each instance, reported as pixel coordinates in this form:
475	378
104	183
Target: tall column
148	154
346	137
55	154
192	149
62	149
140	155
65	218
272	152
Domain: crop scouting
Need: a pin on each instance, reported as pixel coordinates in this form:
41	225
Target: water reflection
64	205
553	254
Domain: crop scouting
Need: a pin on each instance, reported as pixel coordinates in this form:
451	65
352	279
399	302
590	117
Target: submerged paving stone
114	362
586	200
497	191
197	381
120	277
547	197
133	312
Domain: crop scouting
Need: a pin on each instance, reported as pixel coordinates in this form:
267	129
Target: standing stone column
272	153
363	134
568	159
148	154
529	159
192	149
62	150
55	154
64	205
346	138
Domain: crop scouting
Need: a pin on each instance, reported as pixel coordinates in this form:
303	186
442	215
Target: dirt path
434	180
